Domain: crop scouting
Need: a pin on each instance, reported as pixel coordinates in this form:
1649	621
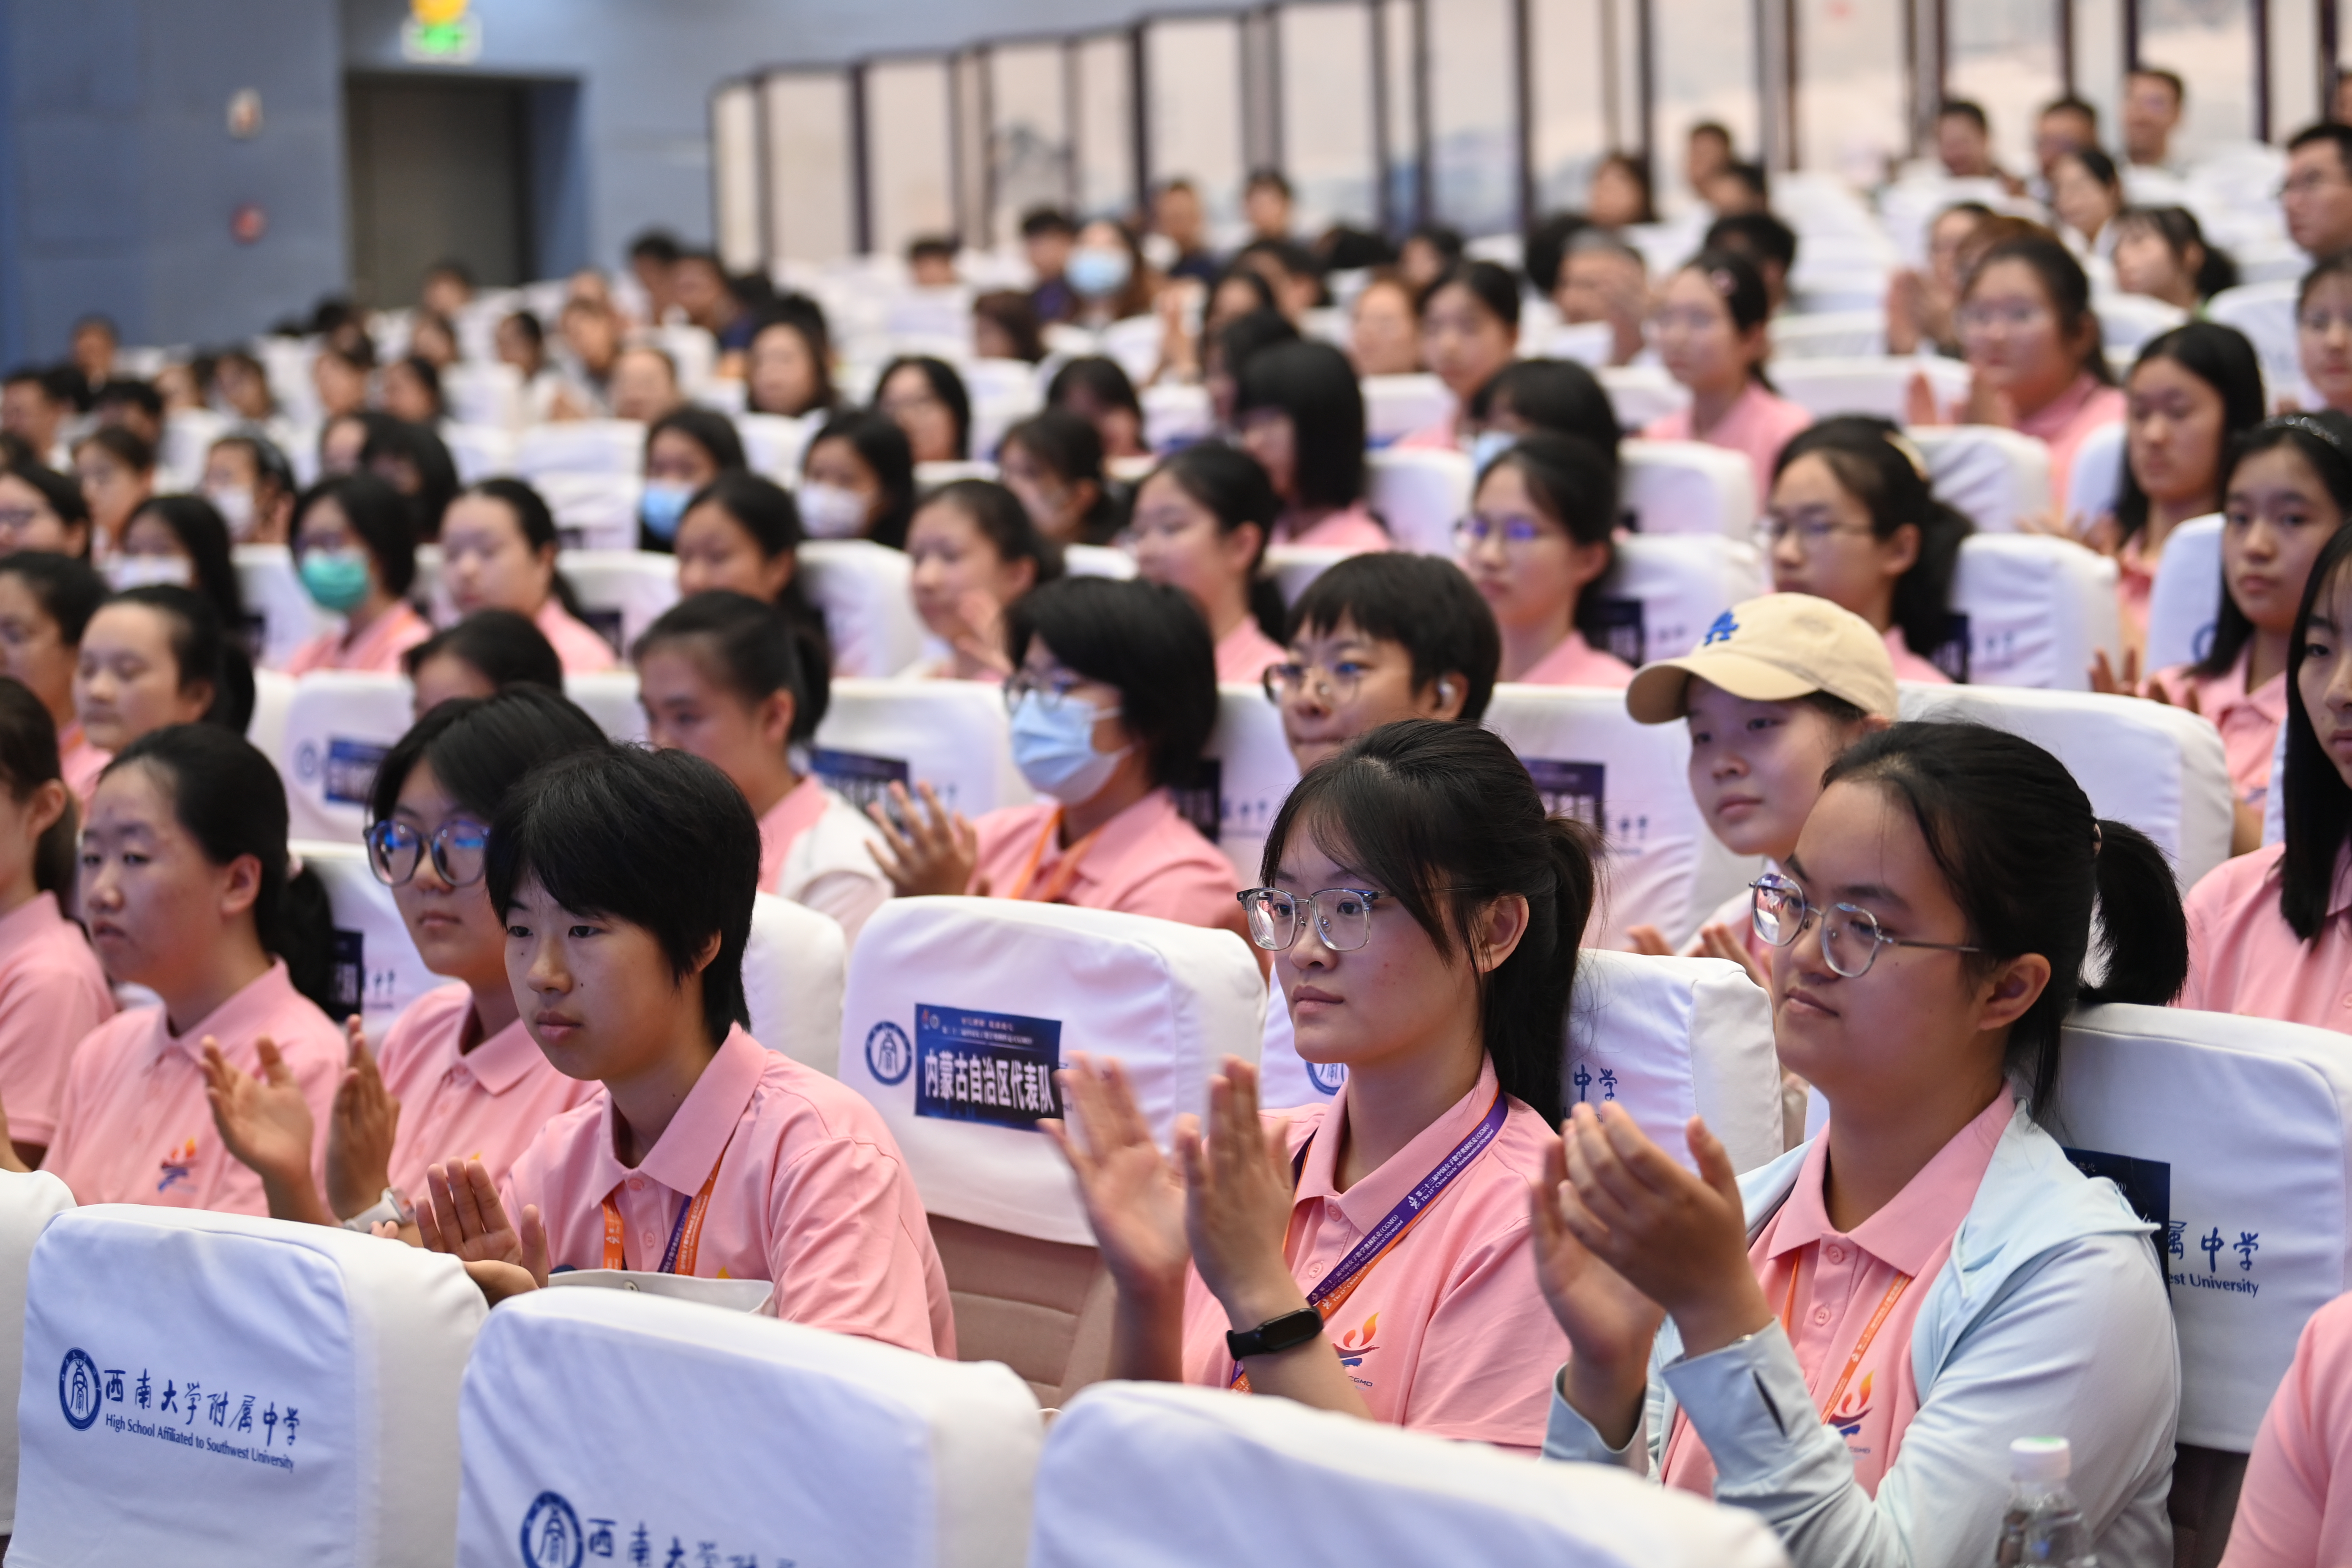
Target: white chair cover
27	1204
693	351
622	592
1097	561
1397	405
1293	566
1827	335
1641	393
483	393
2036	609
2265	313
216	1389
188	437
1874	384
480	451
2128	321
869	609
1254	775
273	695
794	968
1420	494
1688	486
1160	1473
1176	413
1591	761
774	445
593	511
2235	1135
1669	589
1671	1038
739	1438
959	1011
378	968
2184	602
274	596
950	734
610	697
1589	343
1993	475
582	446
2156	767
338	727
2095	482
929	476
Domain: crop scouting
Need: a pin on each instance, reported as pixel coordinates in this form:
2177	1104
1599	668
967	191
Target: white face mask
125	572
236	509
830	511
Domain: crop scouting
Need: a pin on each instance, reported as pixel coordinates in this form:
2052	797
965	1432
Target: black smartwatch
1275	1334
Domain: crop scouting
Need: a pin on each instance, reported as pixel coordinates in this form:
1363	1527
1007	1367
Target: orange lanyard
686	1234
1861	1347
1064	871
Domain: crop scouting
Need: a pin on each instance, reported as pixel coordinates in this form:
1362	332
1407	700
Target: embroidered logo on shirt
178	1166
1358	1342
1851	1411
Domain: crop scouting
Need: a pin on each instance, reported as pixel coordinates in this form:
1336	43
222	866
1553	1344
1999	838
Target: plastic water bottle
2044	1524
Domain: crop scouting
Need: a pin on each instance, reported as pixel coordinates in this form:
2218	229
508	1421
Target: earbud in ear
1445	691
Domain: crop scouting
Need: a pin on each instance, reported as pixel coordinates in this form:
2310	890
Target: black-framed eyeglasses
1343	917
459	849
1851	936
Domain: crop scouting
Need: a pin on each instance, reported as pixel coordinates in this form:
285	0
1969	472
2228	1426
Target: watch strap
1275	1334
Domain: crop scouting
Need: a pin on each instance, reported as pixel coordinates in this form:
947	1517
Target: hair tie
1910	450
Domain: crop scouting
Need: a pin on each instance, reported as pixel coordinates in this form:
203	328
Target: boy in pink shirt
702	1154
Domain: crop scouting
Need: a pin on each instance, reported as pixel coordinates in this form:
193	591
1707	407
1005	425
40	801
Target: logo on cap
1721	631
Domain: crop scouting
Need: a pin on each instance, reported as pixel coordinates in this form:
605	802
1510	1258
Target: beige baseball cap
1772	649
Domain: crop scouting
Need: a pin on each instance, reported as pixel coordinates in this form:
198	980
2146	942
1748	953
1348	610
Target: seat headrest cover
743	1436
959	1011
1670	1038
1129	1465
2236	1129
27	1204
217	1389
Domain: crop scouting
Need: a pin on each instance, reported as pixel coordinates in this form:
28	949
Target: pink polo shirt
134	1127
52	992
485	1104
2062	423
1758	422
1909	666
811	1194
375	651
1244	653
812	851
2244	958
1355	530
2291	1513
1575	662
1439	1334
574	641
1147	860
79	763
1830	1287
2249	720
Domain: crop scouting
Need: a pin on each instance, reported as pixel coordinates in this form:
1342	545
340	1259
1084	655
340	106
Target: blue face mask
1489	445
337	579
1053	747
1097	270
663	506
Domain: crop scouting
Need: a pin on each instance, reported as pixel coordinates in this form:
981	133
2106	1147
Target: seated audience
1602	279
686	448
433	340
481	655
1200	522
2162	253
1288	267
2323	331
43	509
931	261
1769	246
117	471
1922	308
499	552
1004	325
1853	520
642	384
2316	198
1428	253
181	540
857	480
1047	237
1233	345
1558	396
415	462
1957	869
2087	193
1054	462
1108	274
1537	545
1384	332
357	557
410	389
1098	391
789	370
1714	332
134	405
1266	204
340	375
251	485
628	966
974	554
1299	411
1964	143
589	352
153	657
2153	99
46	603
241	387
1178	222
1738	189
720	676
1619	195
1469	330
926	398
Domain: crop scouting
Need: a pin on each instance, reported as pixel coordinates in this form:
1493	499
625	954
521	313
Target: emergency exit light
441	32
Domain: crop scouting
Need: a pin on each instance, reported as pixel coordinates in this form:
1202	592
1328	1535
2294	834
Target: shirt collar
683	1157
1927	1212
796	812
246	1014
503	1060
1381	1190
2053	417
1121	836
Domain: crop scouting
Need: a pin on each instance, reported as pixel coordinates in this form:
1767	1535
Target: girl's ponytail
1526	998
304	937
2142	941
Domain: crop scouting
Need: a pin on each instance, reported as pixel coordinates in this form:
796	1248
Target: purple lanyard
1410	1207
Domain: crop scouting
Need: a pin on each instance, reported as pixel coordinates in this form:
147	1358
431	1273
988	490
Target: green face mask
337	579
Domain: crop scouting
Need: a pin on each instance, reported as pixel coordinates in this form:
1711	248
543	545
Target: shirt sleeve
2085	1335
842	1254
42	1014
1471	1380
2283	1511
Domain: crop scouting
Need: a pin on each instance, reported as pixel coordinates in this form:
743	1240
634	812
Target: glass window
1106	128
1474	114
1568	81
812	208
1192	107
1325	55
909	166
2211	44
2003	54
1717	81
1028	132
1851	89
735	176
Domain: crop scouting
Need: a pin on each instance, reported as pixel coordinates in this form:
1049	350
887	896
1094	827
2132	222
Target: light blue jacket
2050	1317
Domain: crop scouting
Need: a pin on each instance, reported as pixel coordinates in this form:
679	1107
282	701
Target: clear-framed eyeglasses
1343	917
1851	936
460	850
1052	691
1331	683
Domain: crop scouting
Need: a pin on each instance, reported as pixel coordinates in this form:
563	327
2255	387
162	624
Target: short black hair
28	759
123	444
1145	638
139	394
2169	79
2337	135
1314	385
450	267
1266	177
203	532
505	646
1752	175
69	588
63	495
931	247
656	244
1555	394
1045	220
201	648
379	514
748	646
1102	379
1422	602
481	747
1493	285
427	456
1762	235
661	840
1964	109
707	428
2067	103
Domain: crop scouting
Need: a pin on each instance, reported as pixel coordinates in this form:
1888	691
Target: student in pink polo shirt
1931	1276
1537	545
498	551
1300	412
460	1077
46	603
152	658
720	676
1113	696
1851	520
2291	1513
52	992
2269	933
356	551
1200	522
481	655
1469	331
1713	329
974	552
626	877
185	884
1368	1256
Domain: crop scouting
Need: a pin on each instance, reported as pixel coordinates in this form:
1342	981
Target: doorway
439	168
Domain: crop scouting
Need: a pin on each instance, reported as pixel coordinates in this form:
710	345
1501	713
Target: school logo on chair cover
551	1534
78	1389
888	1055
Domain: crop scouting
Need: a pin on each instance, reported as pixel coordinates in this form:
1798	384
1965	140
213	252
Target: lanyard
685	1232
1065	872
1329	1296
1860	1346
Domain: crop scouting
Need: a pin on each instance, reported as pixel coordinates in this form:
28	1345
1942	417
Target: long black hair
504	648
1230	483
481	747
2031	864
28	759
535	520
1874	464
228	797
2222	358
1068	446
2317	802
1574	485
744	645
1443	819
2067	287
197	525
1555	394
945	384
1733	278
202	650
766	513
1315	385
2324	439
883	447
385	524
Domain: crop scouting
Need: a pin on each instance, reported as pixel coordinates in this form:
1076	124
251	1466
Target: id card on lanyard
1332	1292
685	1232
